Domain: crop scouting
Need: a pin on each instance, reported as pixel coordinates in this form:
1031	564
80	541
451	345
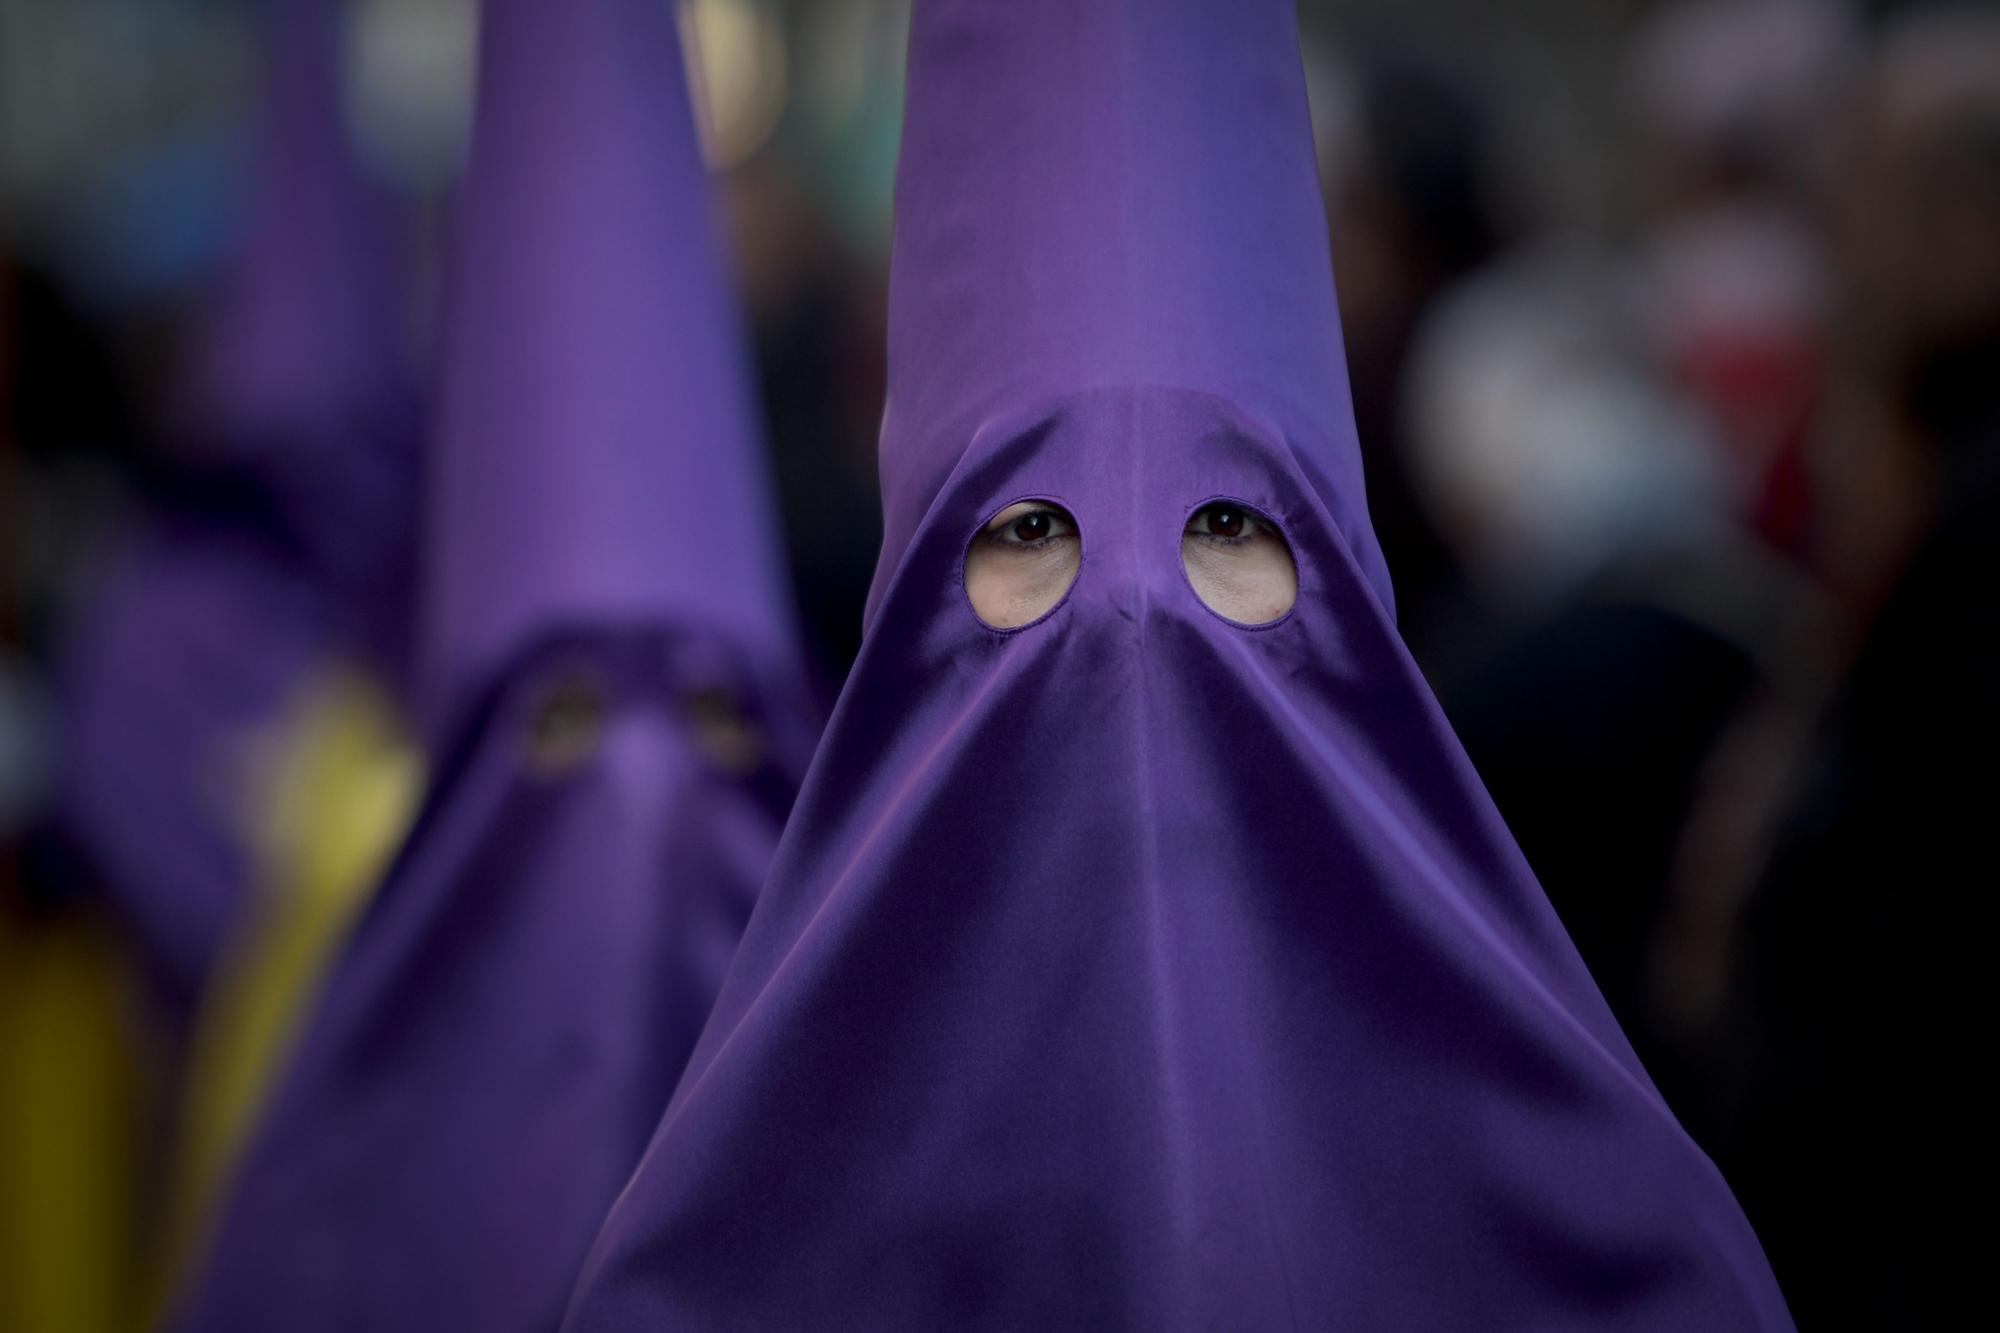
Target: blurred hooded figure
1628	617
1143	952
1848	922
281	552
610	670
1416	201
1735	99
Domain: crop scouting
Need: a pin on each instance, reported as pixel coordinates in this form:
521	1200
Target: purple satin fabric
308	333
175	673
295	549
489	1057
302	379
612	667
1137	969
598	414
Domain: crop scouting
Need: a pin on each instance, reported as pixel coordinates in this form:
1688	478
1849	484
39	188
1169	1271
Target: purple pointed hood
232	595
309	337
610	653
1102	199
1137	968
599	459
303	381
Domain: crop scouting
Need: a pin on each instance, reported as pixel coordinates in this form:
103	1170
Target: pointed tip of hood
599	461
1098	193
307	335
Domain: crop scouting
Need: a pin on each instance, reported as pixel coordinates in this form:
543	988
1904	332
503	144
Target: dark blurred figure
1733	102
275	541
1614	439
1621	615
1848	972
75	433
208	557
817	315
1412	207
72	1063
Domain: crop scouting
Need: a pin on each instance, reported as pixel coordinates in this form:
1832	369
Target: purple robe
1136	968
287	546
611	670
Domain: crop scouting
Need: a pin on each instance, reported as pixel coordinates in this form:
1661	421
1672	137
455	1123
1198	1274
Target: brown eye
1032	527
1224	522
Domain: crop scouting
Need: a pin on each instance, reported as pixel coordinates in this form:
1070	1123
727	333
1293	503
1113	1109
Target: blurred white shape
1542	440
849	48
848	58
735	51
1750	265
411	66
1333	92
1741	290
1711	72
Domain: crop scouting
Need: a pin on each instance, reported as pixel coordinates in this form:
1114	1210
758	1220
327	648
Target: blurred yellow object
70	1130
337	797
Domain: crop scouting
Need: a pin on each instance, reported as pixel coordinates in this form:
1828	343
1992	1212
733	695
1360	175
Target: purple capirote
288	548
609	666
1136	968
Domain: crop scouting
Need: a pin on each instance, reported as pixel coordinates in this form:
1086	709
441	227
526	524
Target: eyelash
1038	544
998	536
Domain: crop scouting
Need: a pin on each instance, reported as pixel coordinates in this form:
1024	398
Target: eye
1223	522
1238	564
568	723
1021	563
729	738
1030	523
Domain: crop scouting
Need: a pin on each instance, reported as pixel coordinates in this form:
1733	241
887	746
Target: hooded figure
285	545
1146	954
610	665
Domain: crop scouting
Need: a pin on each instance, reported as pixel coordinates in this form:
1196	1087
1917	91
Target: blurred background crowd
1674	335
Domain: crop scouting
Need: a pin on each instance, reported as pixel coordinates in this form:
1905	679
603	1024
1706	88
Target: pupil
1031	527
1225	522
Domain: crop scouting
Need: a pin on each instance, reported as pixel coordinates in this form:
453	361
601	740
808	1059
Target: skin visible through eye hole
1238	563
1021	563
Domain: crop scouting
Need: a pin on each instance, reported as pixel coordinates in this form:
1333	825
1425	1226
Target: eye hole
729	738
1021	563
1238	563
567	724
